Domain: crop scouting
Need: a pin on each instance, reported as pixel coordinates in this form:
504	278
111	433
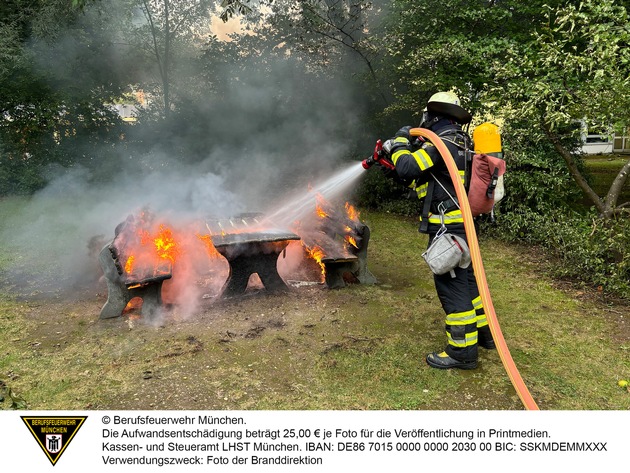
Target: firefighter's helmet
448	104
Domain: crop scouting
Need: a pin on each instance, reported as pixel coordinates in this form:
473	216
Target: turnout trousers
466	321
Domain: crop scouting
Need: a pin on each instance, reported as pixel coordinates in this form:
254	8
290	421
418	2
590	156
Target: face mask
429	119
425	120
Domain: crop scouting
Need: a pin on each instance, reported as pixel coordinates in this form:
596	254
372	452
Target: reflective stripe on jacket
420	165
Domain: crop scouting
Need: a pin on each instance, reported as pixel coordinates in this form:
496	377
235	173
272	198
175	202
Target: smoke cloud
249	138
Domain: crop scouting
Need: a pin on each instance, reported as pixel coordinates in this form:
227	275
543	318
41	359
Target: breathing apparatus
487	141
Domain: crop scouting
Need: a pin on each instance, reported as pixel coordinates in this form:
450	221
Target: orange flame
211	249
352	213
350	239
322	206
129	264
165	244
321	213
317	254
152	250
134	303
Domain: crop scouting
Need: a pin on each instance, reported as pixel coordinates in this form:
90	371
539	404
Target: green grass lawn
361	347
603	169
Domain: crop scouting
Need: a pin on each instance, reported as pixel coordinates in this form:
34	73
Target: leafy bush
594	252
542	208
18	178
536	179
378	192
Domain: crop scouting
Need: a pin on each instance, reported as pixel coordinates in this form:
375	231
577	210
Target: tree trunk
615	189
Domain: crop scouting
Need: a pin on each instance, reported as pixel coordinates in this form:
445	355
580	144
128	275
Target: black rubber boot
444	362
485	339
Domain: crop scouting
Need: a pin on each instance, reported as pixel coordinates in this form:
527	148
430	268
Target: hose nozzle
367	163
377	157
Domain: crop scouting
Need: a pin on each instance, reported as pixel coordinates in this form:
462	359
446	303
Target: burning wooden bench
122	287
144	253
342	259
125	280
338	240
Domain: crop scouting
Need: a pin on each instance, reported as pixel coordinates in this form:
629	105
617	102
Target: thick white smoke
270	131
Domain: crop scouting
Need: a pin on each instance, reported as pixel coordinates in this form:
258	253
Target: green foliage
571	66
81	133
575	67
451	44
378	192
596	252
79	3
234	7
19	176
542	208
536	181
54	93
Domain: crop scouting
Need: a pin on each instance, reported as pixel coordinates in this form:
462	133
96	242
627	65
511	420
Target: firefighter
420	166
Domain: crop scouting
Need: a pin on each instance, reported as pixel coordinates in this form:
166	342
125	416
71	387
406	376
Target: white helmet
447	103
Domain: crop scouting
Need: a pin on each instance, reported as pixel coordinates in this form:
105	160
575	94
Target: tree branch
154	36
185	15
167	54
573	168
347	40
332	24
617	185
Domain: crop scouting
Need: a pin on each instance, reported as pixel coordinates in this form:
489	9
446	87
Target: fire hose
480	273
475	253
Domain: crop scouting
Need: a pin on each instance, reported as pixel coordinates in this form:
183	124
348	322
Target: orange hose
480	273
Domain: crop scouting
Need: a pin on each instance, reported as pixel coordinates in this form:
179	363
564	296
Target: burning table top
246	234
235	239
250	248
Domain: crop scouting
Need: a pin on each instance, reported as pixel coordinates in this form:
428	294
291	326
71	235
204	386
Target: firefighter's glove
387	148
404	133
384	161
398	143
412	141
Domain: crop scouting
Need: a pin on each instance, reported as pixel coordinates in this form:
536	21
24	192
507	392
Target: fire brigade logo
53	434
